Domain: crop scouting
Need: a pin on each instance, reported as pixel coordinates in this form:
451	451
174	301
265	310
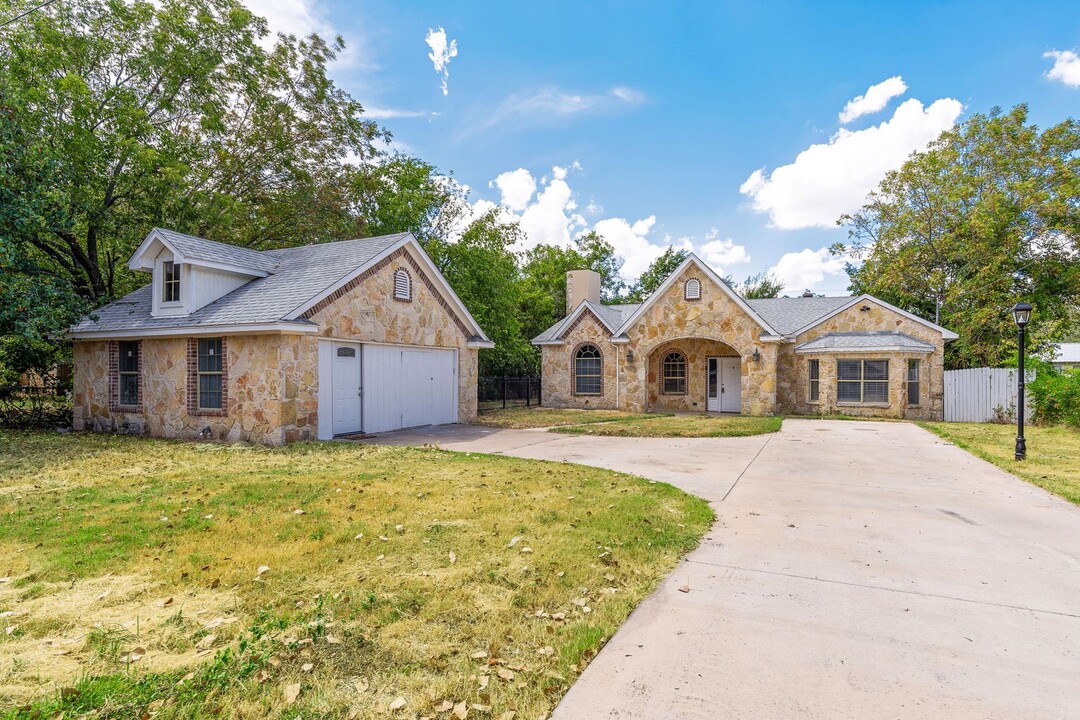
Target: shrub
34	408
1055	395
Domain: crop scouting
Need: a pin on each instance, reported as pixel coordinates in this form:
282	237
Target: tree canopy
988	215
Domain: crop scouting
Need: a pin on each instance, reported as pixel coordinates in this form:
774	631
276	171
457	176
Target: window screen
129	373
862	381
814	370
673	374
210	372
913	384
588	371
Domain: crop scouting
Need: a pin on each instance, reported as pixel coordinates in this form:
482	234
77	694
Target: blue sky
711	126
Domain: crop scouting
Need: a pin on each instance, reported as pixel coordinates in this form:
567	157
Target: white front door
712	385
730	385
345	372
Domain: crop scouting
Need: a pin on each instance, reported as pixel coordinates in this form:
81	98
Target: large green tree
655	275
988	215
119	115
173	112
763	285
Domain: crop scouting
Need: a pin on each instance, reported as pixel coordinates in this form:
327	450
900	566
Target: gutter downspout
618	365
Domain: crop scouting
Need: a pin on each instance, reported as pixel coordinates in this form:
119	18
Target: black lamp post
1022	314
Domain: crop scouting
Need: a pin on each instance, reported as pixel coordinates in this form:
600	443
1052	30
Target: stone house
695	345
275	346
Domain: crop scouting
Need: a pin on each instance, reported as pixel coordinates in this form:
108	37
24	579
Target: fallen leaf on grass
298	511
206	642
332	640
505	674
10	629
190	676
513	541
508	715
291	692
479	655
444	706
481	708
262	569
461	710
133	655
307	667
546	651
5	580
453	557
166	603
398	704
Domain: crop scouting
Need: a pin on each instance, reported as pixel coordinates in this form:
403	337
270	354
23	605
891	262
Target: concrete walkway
856	570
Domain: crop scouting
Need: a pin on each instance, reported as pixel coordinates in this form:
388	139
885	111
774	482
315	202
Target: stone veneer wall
271	391
697	353
793	391
715	317
369	313
557	367
715	324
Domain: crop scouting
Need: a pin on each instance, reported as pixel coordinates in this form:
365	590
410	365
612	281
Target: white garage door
407	387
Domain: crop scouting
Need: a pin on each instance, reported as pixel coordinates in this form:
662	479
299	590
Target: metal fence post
504	392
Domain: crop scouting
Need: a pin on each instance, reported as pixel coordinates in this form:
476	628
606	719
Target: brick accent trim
701	289
660	371
580	319
573	369
114	378
355	282
193	379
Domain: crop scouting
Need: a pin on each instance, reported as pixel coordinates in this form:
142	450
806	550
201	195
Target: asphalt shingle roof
299	274
882	340
788	315
198	248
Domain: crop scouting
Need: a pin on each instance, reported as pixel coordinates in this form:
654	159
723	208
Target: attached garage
377	388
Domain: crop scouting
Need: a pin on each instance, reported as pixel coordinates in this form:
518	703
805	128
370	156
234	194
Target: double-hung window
170	282
210	374
913	384
673	377
588	371
862	381
814	373
128	370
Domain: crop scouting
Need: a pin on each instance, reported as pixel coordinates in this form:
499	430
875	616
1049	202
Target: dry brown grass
398	612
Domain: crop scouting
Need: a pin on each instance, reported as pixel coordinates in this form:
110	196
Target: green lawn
681	426
542	417
186	580
1053	453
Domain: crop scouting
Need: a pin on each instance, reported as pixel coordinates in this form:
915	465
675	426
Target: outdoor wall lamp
629	356
757	355
1022	314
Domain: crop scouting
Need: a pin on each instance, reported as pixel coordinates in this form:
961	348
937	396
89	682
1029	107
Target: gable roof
611	316
200	251
865	297
875	341
692	259
302	276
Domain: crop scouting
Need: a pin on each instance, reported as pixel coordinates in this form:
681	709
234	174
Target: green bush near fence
1055	395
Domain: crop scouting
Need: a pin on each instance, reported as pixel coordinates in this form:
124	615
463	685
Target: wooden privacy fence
982	395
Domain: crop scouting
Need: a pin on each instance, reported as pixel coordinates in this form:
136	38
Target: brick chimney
581	285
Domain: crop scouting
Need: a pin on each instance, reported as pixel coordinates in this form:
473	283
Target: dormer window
170	282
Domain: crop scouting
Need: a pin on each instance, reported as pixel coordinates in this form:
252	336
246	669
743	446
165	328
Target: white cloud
875	98
441	53
293	17
1066	67
378	113
631	243
551	104
516	187
808	269
830	179
720	254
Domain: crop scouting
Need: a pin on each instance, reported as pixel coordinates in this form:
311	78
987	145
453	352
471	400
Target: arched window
402	285
692	289
673	373
588	371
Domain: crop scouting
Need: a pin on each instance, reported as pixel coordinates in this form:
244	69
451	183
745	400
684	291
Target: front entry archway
682	372
723	385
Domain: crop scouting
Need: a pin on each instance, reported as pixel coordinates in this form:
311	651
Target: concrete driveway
856	570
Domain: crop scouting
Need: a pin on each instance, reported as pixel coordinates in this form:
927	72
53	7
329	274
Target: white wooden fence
982	394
